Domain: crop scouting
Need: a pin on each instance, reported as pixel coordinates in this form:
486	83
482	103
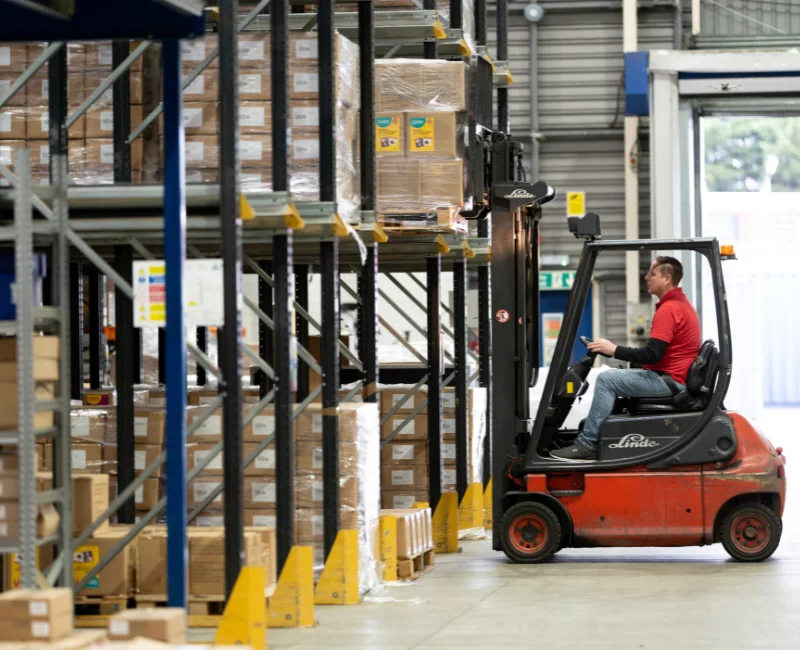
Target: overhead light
533	12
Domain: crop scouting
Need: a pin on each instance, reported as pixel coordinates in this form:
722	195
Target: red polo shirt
676	323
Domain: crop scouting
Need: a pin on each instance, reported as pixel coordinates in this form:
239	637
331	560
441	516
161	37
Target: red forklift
677	471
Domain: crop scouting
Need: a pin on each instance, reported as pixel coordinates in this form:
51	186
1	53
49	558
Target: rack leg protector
445	524
470	512
388	534
292	605
245	619
338	584
487	506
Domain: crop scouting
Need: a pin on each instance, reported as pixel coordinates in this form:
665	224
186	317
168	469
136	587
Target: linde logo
519	194
633	440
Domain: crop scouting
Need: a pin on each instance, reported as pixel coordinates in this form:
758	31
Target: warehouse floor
596	598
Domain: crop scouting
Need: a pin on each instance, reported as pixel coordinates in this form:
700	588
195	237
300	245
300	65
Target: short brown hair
671	267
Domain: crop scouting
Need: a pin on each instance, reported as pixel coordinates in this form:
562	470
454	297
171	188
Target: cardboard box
13	57
100	56
255	85
47	520
308	425
9	463
165	624
9	485
304	114
263	465
99	154
94	78
263	425
304	82
116	578
89	501
195	50
151	575
403	498
444	181
390	137
210	429
87	457
255	117
88	425
201	151
259	492
100	397
310	525
148	425
309	492
201	487
35	614
256	150
157	397
147	494
254	50
260	517
202	396
12	578
38	90
200	118
144	456
415	429
308	458
406	452
206	571
408	536
7	79
409	477
390	397
100	121
203	176
432	134
269	550
409	85
203	88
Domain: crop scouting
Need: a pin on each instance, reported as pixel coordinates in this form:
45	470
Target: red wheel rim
528	534
750	533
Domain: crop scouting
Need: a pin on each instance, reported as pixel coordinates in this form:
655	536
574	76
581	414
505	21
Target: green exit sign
556	280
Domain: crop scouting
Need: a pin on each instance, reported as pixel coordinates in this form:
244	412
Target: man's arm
648	355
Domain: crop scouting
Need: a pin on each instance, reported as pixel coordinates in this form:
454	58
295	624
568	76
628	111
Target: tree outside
752	154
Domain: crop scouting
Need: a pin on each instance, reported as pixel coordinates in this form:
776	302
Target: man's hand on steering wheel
603	347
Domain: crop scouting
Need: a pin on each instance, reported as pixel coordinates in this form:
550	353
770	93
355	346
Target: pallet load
412	554
35	614
165	624
404	460
420	143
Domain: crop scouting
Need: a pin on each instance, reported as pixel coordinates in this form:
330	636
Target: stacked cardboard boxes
35	614
165	624
420	139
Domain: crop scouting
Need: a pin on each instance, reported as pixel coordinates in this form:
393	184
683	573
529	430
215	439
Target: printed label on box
3	511
306	82
317	491
5	56
46	89
420	135
202	490
398	397
197	86
84	559
106	120
251	50
210	521
5	86
387	138
448	450
266	459
306	49
119	628
306	149
316	463
193	50
448	400
107	154
402	477
250	83
253	116
205	401
448	425
158	401
317	525
140	427
192	118
104	55
200	455
408	430
5	122
139	494
402	452
305	116
263	492
251	149
402	501
3	529
79	426
78	459
6	157
316	423
40	629
195	152
37	608
449	476
268	521
139	460
211	427
264	425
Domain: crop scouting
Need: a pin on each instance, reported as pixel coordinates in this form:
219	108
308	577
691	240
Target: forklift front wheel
751	532
531	533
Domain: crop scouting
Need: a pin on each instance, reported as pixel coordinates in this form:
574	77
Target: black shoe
577	453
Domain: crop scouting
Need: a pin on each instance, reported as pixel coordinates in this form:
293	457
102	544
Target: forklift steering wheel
586	341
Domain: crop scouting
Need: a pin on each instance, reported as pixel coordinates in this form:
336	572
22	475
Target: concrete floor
662	599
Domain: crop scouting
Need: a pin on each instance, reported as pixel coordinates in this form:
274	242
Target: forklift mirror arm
586	227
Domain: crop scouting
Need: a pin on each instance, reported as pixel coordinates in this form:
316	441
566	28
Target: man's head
664	275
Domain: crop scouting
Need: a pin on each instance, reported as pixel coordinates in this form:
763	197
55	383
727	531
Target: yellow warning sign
576	204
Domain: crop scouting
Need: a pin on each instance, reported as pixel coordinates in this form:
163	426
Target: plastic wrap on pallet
420	84
477	432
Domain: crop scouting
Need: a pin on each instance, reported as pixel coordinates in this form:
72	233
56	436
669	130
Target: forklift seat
700	382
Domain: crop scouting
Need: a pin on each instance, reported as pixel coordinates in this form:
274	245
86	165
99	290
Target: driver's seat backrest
702	376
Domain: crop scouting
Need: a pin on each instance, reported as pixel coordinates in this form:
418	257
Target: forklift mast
515	213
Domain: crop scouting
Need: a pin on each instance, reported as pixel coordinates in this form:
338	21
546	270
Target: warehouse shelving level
109	226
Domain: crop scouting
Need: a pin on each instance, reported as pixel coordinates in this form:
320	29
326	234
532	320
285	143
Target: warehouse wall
578	114
738	23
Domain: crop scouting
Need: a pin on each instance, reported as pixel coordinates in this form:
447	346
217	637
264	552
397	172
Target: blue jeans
618	383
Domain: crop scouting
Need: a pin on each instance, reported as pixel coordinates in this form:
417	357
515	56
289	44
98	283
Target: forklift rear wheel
531	533
751	532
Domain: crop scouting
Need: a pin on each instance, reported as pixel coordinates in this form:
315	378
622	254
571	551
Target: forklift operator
671	349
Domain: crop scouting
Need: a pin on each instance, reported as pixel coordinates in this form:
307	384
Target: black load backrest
702	375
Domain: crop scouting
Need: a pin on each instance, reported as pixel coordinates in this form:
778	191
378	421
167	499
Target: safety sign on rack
202	293
576	204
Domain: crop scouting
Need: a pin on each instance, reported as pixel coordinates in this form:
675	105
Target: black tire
531	533
751	532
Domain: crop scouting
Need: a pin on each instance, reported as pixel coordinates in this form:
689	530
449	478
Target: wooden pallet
445	220
198	605
415	567
93	606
